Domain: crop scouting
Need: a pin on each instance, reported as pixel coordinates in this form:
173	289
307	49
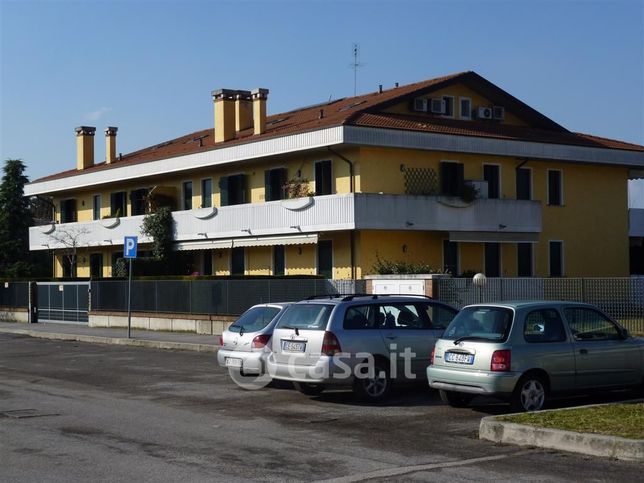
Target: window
207	262
68	211
233	189
524	184
450	257
493	259
274	180
401	316
206	193
115	259
449	106
118	204
139	201
237	262
323	180
438	316
96	207
325	258
544	325
360	317
452	178
466	108
555	188
488	323
187	195
588	324
278	260
96	265
524	259
306	316
491	174
555	258
254	319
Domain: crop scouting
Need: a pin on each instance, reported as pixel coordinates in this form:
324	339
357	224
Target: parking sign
129	246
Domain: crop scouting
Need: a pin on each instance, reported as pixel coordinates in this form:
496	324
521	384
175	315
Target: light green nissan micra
526	351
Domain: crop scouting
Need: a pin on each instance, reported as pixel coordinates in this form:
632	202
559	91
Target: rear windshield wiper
241	331
470	337
297	331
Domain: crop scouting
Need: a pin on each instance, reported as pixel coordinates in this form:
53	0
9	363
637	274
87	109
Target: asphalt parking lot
71	411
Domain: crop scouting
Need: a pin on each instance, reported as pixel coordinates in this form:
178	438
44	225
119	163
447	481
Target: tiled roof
366	110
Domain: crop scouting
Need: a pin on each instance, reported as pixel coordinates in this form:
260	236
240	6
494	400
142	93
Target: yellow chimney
224	114
84	147
243	111
110	144
259	109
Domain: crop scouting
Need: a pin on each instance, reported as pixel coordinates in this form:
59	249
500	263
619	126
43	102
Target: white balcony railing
308	215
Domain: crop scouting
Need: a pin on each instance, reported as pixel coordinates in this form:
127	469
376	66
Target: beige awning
265	241
492	237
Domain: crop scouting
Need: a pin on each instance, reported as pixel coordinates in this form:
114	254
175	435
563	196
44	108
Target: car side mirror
625	333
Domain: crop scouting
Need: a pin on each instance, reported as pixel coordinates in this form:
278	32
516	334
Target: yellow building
451	172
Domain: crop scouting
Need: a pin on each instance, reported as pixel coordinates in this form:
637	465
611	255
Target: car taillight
260	341
501	361
431	358
221	340
330	344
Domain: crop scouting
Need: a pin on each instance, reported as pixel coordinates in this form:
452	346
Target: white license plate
459	358
233	362
292	346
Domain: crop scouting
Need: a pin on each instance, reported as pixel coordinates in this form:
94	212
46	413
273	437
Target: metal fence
211	296
63	302
621	298
14	294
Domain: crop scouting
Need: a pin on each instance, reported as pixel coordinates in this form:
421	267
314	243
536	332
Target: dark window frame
96	209
118	202
323	177
324	271
237	261
494	186
279	260
68	210
521	265
555	187
186	201
558	270
520	188
488	247
452	178
274	181
206	200
561	332
448	246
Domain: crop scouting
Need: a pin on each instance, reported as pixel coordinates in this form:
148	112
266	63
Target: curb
584	443
95	339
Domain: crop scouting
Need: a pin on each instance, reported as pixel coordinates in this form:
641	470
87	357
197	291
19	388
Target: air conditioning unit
438	106
484	113
420	104
498	113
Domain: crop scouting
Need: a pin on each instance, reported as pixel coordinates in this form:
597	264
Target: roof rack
378	295
325	296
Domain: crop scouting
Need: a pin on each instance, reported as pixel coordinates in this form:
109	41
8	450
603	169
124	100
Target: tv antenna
355	64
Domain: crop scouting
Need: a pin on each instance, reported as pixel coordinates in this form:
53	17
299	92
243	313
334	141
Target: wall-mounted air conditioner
420	104
484	113
438	106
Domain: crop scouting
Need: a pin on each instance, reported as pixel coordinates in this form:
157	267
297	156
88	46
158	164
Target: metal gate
63	302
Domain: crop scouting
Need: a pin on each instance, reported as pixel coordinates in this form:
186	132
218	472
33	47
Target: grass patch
625	420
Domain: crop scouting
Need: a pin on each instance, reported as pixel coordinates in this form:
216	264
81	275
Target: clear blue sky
148	67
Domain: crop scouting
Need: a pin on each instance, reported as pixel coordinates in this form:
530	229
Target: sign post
129	252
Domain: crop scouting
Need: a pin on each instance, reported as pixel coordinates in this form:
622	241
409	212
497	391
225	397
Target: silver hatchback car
526	351
244	343
362	341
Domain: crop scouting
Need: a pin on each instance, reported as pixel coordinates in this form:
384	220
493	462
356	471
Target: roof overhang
266	241
349	135
492	237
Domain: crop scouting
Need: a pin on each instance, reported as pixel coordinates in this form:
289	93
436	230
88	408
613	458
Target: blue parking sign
129	246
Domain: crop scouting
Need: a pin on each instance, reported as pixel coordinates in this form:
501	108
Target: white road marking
401	470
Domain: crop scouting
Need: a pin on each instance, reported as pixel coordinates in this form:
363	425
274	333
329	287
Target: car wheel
309	389
455	399
376	388
530	394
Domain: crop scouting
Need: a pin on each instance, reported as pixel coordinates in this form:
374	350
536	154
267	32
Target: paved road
71	411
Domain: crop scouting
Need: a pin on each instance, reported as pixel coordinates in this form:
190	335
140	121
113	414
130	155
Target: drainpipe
352	233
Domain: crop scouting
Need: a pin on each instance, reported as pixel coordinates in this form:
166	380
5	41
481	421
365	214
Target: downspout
352	233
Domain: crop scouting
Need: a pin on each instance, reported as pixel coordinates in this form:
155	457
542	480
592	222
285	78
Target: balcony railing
308	215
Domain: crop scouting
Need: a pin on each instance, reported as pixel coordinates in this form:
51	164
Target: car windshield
254	319
306	317
480	323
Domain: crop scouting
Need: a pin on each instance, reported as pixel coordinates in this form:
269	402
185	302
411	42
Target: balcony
483	220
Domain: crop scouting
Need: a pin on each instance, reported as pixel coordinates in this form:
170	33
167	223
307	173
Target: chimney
84	147
259	109
224	114
243	111
110	144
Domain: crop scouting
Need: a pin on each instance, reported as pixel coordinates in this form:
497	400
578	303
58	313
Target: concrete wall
162	322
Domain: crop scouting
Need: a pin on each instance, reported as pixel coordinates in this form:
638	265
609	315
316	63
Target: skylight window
277	121
351	106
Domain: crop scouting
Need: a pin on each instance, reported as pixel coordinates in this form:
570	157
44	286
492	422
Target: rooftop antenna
355	64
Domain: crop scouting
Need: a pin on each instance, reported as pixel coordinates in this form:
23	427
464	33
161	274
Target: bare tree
71	239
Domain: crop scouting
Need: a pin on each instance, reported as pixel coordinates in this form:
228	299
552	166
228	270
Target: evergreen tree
15	219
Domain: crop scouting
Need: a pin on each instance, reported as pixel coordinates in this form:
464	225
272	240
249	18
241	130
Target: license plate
459	358
233	362
291	346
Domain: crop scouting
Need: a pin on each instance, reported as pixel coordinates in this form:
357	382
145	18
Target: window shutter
268	188
223	188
